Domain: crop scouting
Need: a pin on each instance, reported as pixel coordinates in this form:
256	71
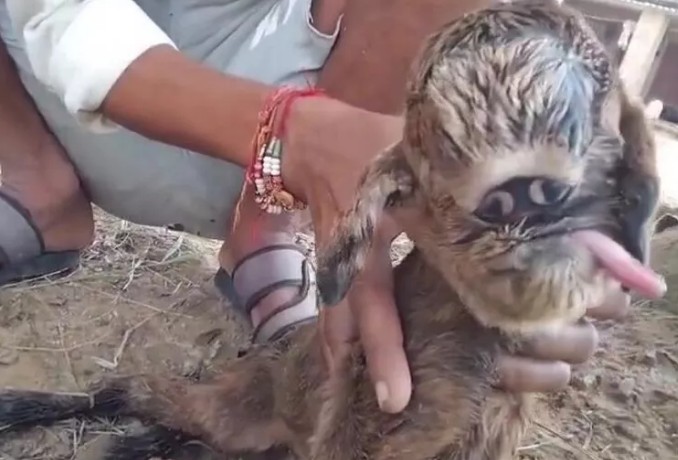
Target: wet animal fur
513	92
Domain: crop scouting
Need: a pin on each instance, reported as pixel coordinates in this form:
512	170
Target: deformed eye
522	197
548	192
496	205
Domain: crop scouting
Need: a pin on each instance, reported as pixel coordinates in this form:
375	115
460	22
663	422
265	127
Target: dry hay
143	299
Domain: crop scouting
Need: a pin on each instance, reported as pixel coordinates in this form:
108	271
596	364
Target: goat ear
639	178
387	183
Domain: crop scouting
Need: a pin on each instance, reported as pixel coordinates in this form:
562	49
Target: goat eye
496	205
547	192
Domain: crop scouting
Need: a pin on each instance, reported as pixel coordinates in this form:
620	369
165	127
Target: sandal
261	273
22	250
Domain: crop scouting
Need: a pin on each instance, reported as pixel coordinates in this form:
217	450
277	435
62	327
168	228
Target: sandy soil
144	299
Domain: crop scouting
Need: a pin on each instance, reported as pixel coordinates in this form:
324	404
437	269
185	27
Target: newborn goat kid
522	162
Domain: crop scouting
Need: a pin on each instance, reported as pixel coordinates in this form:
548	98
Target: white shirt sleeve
79	48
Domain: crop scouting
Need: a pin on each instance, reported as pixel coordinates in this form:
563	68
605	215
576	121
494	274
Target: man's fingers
531	376
373	306
338	330
572	344
382	340
550	353
372	316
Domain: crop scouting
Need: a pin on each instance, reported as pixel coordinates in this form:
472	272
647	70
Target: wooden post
638	66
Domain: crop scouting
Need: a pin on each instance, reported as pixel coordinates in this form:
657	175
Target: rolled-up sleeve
79	48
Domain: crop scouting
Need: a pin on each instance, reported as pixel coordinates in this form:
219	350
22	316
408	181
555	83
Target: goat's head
510	154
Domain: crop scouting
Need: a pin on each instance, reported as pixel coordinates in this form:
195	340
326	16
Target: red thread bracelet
264	172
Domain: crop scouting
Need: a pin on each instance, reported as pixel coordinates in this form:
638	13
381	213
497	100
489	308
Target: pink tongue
621	265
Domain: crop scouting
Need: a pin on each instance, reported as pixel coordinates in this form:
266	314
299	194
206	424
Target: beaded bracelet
265	169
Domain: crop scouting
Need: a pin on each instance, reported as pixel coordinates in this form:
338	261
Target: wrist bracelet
267	149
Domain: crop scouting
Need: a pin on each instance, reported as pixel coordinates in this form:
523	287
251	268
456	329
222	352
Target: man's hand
369	315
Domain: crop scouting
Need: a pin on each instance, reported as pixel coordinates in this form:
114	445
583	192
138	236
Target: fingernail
662	286
382	394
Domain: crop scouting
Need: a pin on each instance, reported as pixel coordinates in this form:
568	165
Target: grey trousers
151	183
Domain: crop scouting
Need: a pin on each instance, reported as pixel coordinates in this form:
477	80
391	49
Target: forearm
166	96
108	61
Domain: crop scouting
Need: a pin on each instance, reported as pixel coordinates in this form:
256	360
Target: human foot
275	287
265	274
45	218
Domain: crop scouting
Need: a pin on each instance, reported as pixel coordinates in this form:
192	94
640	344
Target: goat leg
639	181
153	442
233	413
23	409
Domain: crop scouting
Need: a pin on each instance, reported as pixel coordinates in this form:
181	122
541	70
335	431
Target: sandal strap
19	238
267	270
261	273
302	308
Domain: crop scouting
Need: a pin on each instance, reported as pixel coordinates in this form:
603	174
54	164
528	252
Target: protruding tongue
621	265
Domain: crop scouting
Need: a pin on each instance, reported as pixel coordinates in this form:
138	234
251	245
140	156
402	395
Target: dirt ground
144	299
